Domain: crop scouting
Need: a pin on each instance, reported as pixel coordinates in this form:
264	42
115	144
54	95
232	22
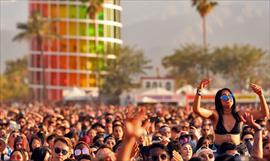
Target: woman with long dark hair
41	154
226	119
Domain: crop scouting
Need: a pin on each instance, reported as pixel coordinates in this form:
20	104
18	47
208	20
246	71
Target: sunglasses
156	157
78	152
210	156
226	97
248	139
58	151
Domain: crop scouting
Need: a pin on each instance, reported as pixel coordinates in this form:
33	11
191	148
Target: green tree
240	63
13	81
129	64
187	64
204	7
94	7
39	28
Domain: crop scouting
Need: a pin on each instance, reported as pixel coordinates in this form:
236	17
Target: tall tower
79	55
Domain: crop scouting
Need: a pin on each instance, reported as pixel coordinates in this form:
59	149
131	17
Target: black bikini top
220	129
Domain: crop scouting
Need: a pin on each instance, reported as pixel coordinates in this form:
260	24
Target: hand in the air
256	89
204	83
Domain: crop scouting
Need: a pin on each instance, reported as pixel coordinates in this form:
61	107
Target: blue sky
160	26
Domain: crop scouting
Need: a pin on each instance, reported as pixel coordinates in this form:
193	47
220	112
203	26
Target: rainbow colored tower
79	56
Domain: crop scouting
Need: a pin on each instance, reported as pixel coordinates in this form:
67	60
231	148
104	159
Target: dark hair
96	138
41	136
32	140
50	137
227	146
84	156
103	146
70	134
17	139
226	157
158	145
173	145
175	129
109	136
144	151
96	125
219	107
158	120
246	128
117	145
109	121
39	153
117	125
246	133
200	142
195	159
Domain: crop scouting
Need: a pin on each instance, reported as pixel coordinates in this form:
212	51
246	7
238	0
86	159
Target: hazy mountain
158	27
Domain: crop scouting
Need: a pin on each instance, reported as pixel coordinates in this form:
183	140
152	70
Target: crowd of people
227	131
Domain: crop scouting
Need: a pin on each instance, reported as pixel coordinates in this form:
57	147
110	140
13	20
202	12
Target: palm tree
36	27
204	7
94	7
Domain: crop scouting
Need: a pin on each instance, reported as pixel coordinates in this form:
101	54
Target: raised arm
205	113
257	149
133	130
264	112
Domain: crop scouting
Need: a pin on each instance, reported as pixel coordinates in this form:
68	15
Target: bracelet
199	92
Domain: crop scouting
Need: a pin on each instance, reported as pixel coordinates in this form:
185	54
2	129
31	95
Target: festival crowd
224	131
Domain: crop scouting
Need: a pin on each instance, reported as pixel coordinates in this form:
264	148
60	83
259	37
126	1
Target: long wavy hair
219	107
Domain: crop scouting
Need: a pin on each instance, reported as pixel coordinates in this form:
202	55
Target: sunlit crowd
104	133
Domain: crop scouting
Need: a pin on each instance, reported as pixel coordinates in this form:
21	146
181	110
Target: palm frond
36	26
21	36
213	3
22	26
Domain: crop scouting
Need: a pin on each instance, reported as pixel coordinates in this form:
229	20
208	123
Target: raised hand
204	83
256	89
176	156
194	132
133	130
250	121
133	126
